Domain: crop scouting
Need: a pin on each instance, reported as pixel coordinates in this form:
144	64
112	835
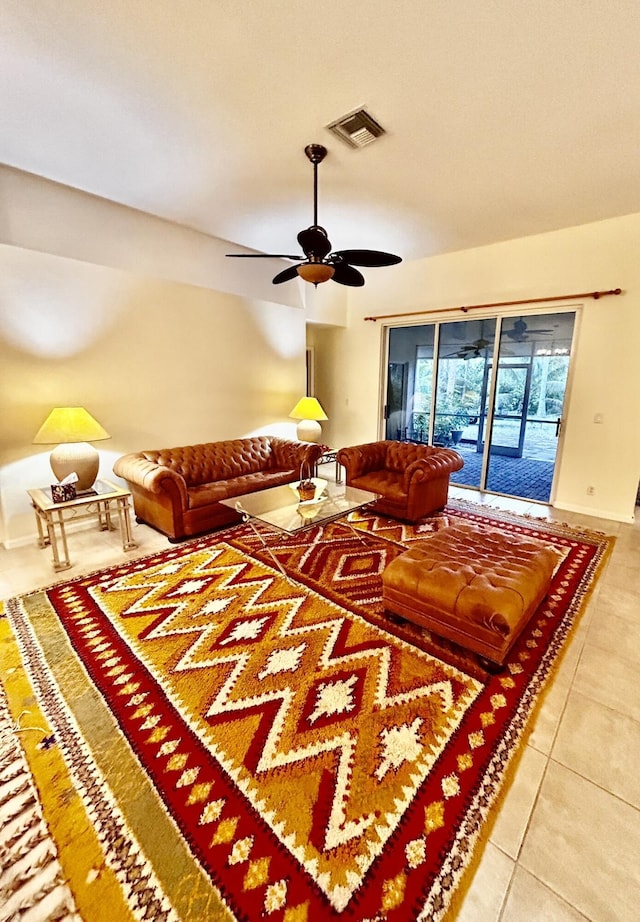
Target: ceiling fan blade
264	256
460	354
371	258
314	242
286	275
347	275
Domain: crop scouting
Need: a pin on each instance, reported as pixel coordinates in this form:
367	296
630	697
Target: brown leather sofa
413	480
177	490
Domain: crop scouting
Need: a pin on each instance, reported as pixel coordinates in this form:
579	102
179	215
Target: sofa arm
362	459
152	477
294	455
440	462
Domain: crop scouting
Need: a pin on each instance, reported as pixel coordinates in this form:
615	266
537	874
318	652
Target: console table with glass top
51	518
282	509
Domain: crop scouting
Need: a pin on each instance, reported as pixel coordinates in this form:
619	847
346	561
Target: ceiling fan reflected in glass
319	263
520	331
481	347
471	350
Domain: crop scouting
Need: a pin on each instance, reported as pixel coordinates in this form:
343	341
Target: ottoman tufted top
478	576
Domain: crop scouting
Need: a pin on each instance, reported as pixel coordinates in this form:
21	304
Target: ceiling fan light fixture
315	272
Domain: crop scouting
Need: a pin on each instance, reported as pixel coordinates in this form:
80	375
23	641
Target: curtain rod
464	308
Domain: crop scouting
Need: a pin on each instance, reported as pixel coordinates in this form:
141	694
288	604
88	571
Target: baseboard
595	513
69	526
10	543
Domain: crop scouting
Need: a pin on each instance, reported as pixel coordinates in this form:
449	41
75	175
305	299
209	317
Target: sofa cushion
208	493
387	483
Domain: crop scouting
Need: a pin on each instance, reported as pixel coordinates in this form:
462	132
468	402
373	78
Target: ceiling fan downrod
316	154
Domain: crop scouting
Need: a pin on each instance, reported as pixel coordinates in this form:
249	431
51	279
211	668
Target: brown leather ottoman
475	586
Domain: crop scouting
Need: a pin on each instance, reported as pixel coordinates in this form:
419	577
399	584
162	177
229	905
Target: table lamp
308	411
73	428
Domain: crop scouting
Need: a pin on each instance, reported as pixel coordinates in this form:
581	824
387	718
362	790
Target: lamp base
79	457
309	430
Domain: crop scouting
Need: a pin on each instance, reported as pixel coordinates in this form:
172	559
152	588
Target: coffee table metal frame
281	508
331	456
97	504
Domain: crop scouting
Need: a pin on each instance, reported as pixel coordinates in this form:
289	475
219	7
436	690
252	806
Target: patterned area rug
212	739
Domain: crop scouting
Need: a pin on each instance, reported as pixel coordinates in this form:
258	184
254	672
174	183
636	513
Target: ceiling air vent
357	129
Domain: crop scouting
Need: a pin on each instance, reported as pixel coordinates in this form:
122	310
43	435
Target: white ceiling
504	117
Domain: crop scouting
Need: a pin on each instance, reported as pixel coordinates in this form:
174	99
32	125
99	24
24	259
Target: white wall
51	218
606	365
103	307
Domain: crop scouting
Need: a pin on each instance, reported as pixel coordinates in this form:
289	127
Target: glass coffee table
282	509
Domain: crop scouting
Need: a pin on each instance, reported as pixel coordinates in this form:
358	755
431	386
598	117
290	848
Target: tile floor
565	845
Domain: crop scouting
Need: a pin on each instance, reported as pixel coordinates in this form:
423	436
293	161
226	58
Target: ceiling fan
520	331
319	263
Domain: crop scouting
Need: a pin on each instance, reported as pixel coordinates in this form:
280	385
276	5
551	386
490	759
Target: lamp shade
308	408
73	428
69	424
308	411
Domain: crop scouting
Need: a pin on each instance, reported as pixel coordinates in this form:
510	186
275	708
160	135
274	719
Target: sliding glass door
409	383
493	389
529	399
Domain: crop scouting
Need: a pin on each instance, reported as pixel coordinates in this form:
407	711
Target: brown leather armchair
413	480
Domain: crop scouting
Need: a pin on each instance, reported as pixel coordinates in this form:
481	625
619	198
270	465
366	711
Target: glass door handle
558	426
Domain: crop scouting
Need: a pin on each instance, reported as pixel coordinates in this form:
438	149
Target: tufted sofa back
399	455
200	464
